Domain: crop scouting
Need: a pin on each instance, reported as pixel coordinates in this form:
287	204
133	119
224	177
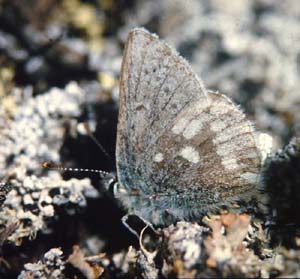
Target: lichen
51	266
33	135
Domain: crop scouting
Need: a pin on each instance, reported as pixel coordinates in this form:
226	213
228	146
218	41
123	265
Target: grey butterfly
181	150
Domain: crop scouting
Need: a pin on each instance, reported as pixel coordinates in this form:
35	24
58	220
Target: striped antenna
91	135
52	166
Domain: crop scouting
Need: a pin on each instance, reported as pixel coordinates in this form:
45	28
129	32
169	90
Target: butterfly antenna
52	166
90	133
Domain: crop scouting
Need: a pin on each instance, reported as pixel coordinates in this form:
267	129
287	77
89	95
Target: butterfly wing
177	144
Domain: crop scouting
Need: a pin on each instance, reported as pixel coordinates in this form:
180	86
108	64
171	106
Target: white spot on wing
189	153
218	125
250	177
158	157
179	126
192	129
230	163
221	108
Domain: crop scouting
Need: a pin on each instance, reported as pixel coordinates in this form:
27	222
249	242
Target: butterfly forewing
156	84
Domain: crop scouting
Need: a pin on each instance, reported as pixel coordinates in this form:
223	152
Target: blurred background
59	66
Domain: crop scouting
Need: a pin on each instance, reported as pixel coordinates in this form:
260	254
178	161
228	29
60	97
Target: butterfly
181	150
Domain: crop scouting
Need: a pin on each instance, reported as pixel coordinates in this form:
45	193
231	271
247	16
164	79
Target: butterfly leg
149	255
147	223
124	221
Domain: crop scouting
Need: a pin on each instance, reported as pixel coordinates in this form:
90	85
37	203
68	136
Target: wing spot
230	163
189	153
180	126
192	129
218	126
250	177
158	157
